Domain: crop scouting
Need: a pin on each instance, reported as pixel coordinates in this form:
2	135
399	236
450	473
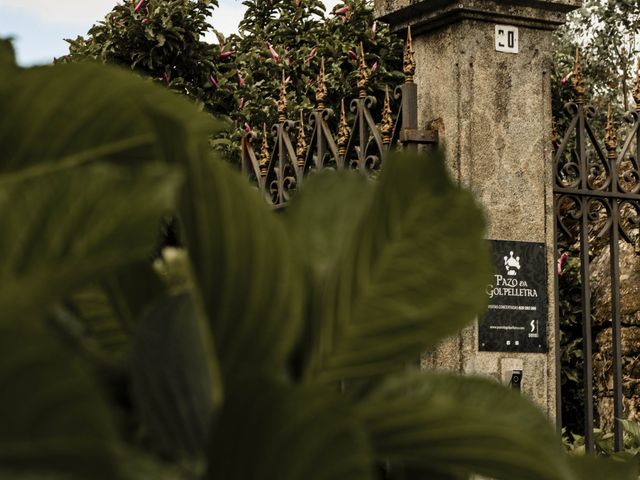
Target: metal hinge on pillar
420	137
410	136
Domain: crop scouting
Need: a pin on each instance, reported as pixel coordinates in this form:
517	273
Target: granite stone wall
629	263
493	114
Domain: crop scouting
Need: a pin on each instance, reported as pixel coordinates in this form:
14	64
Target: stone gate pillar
483	83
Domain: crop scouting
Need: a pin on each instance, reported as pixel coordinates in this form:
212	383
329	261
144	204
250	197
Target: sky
39	27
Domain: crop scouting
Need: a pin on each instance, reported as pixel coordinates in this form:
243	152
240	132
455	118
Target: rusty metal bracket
420	137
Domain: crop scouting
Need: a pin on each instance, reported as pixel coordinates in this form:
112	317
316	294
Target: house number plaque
516	320
507	39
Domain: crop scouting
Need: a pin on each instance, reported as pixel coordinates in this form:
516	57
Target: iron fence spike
409	61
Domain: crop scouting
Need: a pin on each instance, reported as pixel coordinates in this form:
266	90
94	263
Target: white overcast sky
39	26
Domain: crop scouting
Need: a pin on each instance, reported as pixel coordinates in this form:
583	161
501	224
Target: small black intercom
516	380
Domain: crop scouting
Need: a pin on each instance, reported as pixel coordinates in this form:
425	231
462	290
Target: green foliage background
239	78
605	31
570	309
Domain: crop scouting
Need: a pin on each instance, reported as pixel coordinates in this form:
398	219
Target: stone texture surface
430	14
629	264
604	411
630	341
493	111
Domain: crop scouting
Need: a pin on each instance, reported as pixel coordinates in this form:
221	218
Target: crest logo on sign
512	264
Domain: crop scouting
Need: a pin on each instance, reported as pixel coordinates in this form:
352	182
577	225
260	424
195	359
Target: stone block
629	340
629	264
604	411
427	15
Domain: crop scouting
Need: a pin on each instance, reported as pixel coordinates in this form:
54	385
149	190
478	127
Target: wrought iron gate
596	187
279	168
597	207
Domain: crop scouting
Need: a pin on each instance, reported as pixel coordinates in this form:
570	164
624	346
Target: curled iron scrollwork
279	167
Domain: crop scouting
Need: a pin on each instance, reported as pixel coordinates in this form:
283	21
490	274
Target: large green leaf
321	217
139	465
412	273
68	115
246	269
100	318
62	229
53	418
444	424
7	56
589	467
132	289
325	214
271	431
60	126
176	381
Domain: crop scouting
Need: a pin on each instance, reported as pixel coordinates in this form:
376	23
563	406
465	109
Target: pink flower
374	27
341	11
145	20
138	6
247	128
274	54
213	81
241	81
166	77
374	67
225	55
566	79
352	55
562	261
311	55
241	103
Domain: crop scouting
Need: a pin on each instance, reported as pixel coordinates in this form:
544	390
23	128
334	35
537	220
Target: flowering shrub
239	78
163	41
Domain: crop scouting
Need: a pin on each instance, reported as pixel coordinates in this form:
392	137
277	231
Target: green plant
274	346
570	309
300	35
239	79
162	40
605	31
605	445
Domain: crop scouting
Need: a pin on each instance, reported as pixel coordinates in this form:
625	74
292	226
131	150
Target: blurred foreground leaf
272	431
248	275
325	213
63	229
64	116
410	273
53	418
176	381
441	423
589	467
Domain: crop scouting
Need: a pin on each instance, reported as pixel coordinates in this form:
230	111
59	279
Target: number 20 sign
506	39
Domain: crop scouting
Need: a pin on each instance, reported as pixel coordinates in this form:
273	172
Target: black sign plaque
516	320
